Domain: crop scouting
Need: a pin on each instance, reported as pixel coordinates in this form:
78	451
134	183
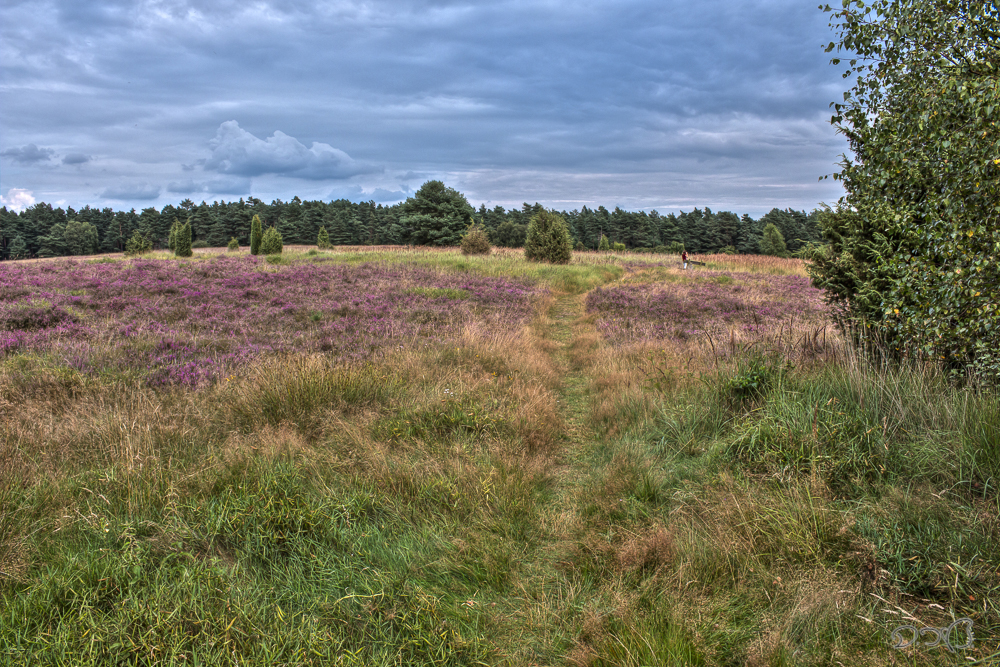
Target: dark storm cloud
76	158
644	100
28	154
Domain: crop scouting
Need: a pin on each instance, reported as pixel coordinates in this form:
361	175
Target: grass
524	495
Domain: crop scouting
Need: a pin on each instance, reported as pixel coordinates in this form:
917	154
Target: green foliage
271	243
256	235
579	246
603	244
675	248
17	249
200	243
476	241
172	238
234	245
138	244
728	250
323	239
437	215
618	247
919	223
510	234
81	238
182	242
772	242
548	239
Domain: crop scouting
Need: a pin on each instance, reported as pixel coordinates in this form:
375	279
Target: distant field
395	456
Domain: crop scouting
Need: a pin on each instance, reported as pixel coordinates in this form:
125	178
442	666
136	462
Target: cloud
221	186
356	193
76	158
29	154
18	199
236	151
132	192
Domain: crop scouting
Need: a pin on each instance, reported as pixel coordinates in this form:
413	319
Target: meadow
408	457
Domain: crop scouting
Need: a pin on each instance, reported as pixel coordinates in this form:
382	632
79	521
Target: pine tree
182	242
17	249
322	239
603	244
255	235
271	243
548	239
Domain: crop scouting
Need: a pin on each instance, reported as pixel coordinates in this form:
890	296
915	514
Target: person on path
684	258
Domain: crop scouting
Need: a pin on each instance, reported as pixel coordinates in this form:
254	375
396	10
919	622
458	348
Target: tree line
46	231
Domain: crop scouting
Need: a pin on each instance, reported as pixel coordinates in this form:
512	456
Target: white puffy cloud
18	199
29	154
236	151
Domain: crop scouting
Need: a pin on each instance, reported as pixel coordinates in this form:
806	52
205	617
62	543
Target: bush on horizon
548	239
271	243
476	241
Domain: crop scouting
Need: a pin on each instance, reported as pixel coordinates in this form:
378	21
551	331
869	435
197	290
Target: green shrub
323	239
172	238
200	243
476	241
675	248
660	249
729	250
579	246
773	243
604	245
270	242
255	235
618	247
139	244
548	239
234	245
182	242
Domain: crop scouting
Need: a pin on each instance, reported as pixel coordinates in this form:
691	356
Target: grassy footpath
523	497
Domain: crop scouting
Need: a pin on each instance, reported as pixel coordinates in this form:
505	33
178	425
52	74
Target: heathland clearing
415	457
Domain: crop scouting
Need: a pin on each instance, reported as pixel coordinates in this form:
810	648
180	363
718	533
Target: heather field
406	457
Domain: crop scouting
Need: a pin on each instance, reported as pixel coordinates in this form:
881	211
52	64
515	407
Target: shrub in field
139	244
660	249
234	245
619	247
604	245
579	246
182	243
323	239
773	243
271	243
675	248
548	239
476	242
172	238
200	243
255	235
728	250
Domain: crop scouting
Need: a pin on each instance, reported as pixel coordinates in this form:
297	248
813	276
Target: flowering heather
714	302
175	322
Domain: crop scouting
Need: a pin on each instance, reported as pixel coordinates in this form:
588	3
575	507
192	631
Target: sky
642	104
